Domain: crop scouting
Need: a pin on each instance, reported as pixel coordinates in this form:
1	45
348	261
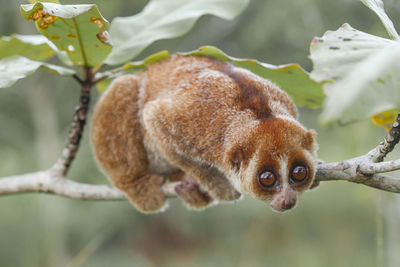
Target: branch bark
387	144
79	120
52	182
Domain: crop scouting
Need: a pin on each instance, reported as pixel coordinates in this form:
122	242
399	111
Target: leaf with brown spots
77	30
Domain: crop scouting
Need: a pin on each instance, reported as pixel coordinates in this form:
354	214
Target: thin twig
79	80
78	124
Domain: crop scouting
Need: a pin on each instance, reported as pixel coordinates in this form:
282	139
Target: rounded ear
309	141
236	157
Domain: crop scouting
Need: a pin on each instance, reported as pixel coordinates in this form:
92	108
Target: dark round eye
299	173
267	178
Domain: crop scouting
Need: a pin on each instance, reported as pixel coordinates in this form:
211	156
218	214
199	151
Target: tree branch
366	169
348	170
51	182
380	167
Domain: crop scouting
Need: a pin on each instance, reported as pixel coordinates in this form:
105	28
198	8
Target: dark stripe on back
251	96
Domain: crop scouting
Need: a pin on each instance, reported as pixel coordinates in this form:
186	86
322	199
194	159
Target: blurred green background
338	224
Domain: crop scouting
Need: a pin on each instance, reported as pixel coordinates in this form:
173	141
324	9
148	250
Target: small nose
288	203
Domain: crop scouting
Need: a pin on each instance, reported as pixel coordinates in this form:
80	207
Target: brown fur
207	123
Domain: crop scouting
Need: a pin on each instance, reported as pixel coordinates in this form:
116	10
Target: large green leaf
79	30
377	7
162	19
363	70
35	47
291	78
17	67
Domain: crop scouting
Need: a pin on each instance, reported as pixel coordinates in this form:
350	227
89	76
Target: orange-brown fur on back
211	124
